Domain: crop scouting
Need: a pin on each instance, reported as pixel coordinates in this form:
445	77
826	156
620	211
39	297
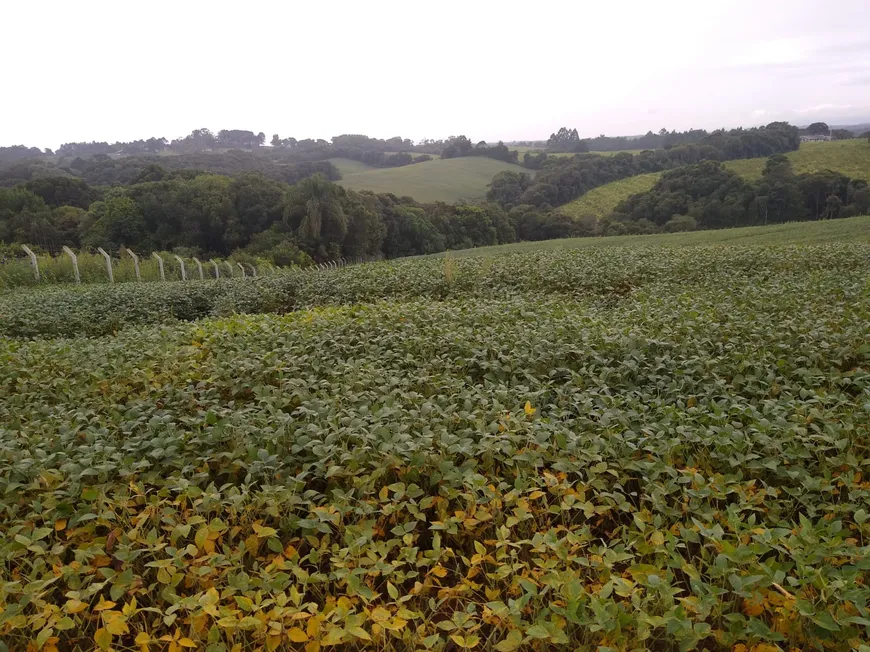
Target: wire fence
64	266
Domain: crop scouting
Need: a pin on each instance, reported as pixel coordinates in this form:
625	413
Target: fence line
71	271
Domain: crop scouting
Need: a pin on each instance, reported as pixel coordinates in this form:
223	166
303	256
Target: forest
210	214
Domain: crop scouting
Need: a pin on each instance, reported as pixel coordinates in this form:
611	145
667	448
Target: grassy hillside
447	180
348	166
602	200
851	157
853	229
620	151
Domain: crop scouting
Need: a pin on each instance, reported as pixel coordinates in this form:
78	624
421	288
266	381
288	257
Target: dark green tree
313	209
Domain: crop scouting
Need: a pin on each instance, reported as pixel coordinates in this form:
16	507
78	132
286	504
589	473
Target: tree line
211	215
561	180
102	169
663	139
709	196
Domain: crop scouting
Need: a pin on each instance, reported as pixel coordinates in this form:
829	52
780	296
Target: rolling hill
603	199
447	180
851	229
850	157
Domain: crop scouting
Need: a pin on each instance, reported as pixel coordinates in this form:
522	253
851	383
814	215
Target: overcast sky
119	70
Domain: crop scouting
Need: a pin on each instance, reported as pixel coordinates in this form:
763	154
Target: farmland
853	229
447	180
348	166
648	446
603	199
849	157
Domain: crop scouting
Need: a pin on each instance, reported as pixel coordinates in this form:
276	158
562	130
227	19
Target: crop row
687	469
600	272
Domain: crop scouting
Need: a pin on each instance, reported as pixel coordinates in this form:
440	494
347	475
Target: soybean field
658	445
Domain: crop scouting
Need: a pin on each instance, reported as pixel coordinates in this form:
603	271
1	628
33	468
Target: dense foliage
104	170
211	215
620	449
715	197
566	140
564	179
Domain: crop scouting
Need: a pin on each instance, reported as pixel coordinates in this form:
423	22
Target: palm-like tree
313	209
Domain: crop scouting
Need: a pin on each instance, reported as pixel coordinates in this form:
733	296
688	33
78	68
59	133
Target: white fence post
160	265
229	267
242	267
199	265
217	271
33	261
183	271
108	264
75	261
135	264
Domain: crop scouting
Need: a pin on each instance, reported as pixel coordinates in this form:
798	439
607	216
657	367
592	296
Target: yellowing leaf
359	632
512	642
201	537
142	638
334	636
252	543
297	635
395	624
75	606
379	614
530	411
657	538
186	642
439	571
60	524
104	604
752	607
103	639
466	642
116	625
